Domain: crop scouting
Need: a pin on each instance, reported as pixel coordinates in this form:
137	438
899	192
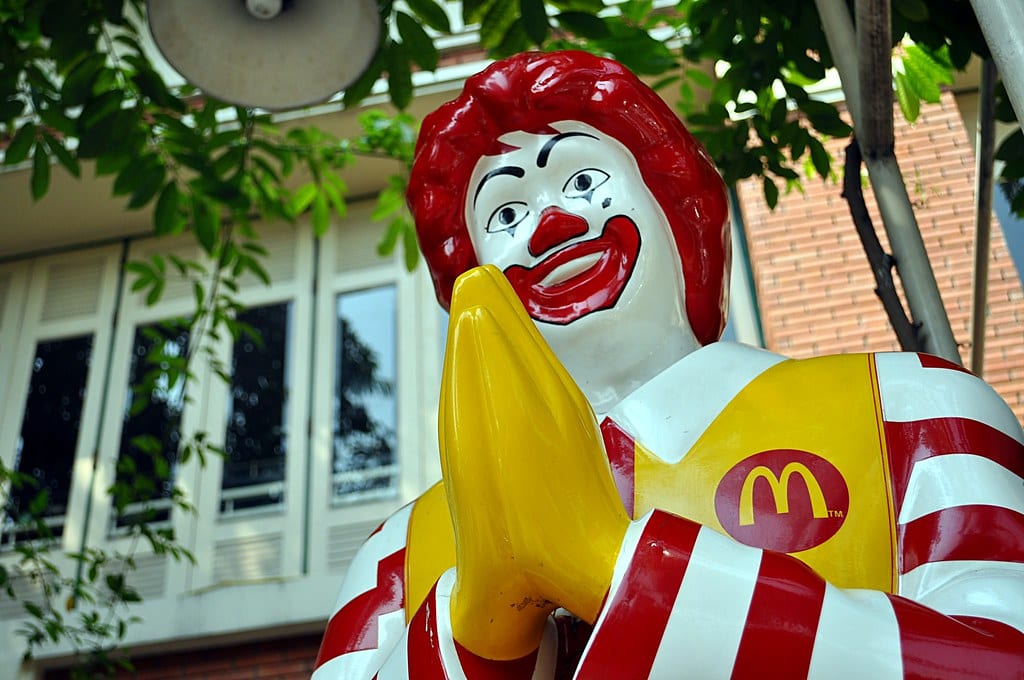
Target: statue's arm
369	615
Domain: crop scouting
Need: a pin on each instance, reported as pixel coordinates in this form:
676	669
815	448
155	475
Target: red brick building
815	290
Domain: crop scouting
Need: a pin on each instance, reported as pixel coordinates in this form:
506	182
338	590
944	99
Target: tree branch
880	261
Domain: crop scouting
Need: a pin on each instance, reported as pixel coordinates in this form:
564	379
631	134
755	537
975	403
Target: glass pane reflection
364	399
49	432
256	440
151	433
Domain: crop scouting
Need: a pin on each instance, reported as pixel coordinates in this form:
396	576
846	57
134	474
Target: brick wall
816	291
281	659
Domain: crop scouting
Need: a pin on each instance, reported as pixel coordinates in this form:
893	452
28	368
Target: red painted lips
596	287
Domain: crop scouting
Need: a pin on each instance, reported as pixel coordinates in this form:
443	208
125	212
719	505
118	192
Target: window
151	433
365	411
45	448
257	436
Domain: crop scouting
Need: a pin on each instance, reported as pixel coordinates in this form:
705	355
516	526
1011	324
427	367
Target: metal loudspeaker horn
272	54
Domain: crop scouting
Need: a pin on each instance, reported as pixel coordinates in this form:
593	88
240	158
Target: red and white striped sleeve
688	600
369	617
957	454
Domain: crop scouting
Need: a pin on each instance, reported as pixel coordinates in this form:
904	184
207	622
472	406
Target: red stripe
621	451
354	627
425	662
625	643
917	440
932	361
965	532
782	620
937	646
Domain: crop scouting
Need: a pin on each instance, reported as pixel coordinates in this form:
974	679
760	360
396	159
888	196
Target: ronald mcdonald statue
624	496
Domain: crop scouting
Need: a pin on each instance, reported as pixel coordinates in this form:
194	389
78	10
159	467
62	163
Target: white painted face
568	219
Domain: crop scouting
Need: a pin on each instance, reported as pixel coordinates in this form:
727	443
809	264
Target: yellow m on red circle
780	491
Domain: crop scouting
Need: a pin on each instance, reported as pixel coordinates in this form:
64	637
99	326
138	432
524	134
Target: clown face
569	220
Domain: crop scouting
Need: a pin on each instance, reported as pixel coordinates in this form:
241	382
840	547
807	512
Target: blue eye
507	217
583	183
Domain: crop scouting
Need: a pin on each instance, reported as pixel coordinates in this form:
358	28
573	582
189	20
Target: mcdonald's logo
780	491
785	499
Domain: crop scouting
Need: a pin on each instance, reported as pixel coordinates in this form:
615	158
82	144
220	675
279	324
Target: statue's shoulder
670	411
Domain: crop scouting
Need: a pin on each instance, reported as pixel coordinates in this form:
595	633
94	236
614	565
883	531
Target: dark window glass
151	433
256	440
364	395
49	434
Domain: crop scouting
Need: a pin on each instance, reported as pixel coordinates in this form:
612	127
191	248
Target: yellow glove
538	522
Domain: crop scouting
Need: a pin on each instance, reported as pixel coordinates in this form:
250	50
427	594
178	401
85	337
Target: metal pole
982	212
1002	22
915	270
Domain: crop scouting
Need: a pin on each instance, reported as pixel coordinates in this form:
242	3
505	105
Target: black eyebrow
542	157
513	170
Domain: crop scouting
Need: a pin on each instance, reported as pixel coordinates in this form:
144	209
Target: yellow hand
537	519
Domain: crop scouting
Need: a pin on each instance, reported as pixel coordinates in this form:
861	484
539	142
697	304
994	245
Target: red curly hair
529	92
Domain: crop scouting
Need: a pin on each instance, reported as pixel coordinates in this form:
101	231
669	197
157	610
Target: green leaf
515	40
799	143
150	183
389	201
302	198
915	10
908	100
336	199
399	78
819	157
1012	148
473	10
152	86
500	16
205	223
77	85
637	10
37	506
389	240
431	13
920	80
410	247
825	118
810	67
167	217
771	193
321	215
40	172
64	156
583	25
101	107
130	176
778	114
18	149
535	20
10	109
935	65
416	41
640	52
700	77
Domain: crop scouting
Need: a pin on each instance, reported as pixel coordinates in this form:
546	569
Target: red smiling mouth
598	286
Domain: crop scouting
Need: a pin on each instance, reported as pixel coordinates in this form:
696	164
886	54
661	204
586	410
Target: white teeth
570	269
